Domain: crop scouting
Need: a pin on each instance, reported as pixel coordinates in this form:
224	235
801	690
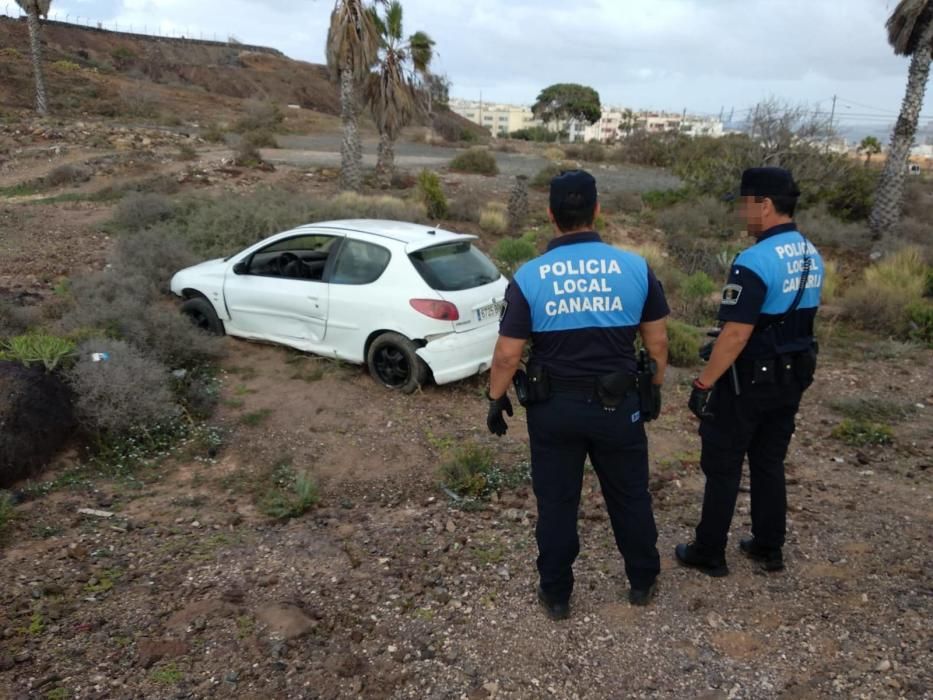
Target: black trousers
759	423
563	431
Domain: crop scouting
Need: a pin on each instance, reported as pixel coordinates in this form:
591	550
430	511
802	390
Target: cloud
701	54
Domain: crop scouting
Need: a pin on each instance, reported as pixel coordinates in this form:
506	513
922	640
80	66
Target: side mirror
240	268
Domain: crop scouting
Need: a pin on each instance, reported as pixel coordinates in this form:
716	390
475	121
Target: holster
520	382
647	368
532	386
612	388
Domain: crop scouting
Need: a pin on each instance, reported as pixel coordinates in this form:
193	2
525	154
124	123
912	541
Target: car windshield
451	267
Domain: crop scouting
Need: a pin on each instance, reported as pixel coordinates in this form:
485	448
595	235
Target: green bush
542	179
512	252
890	297
476	160
291	494
7	511
432	194
539	134
260	138
920	322
826	230
684	344
660	199
49	351
468	471
247	155
862	433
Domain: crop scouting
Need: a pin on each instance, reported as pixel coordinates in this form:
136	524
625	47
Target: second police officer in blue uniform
763	360
581	304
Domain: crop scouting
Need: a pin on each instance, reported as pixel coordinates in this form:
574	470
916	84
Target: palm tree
352	46
393	89
869	146
910	33
33	9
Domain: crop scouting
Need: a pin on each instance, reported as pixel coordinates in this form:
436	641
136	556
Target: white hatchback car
404	298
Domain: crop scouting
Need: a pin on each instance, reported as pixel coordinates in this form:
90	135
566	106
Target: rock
6	663
285	620
715	620
883	666
37	419
149	651
451	528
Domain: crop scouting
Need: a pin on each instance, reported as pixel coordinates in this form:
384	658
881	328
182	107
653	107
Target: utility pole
832	114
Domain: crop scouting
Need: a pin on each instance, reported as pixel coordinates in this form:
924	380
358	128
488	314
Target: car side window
359	262
298	257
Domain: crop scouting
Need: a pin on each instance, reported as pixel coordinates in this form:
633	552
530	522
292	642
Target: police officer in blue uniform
762	361
581	305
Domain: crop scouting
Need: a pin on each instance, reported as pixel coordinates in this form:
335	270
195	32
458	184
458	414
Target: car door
279	293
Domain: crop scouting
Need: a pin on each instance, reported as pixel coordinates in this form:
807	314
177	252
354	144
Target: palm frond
394	20
352	39
906	24
422	51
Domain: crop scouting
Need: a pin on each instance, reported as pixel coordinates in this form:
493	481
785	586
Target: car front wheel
202	314
393	362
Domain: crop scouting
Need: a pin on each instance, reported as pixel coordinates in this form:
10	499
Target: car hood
198	275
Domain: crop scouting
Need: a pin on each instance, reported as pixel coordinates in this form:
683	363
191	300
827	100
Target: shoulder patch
731	294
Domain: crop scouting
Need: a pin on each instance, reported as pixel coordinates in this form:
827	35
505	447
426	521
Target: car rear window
451	267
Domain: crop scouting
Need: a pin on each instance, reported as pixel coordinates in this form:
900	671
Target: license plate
484	313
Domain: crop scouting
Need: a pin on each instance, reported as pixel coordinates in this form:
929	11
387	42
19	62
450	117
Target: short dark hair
574	213
783	204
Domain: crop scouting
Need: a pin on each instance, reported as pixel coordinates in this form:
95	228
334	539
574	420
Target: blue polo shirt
762	285
581	304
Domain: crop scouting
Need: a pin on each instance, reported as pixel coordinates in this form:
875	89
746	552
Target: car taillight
441	310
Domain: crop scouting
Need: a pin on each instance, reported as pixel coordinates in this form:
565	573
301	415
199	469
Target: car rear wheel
393	362
202	314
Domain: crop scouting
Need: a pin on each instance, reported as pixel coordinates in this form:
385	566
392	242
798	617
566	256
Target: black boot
690	555
642	596
770	559
555	609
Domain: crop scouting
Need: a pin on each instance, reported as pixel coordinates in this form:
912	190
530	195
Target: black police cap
768	182
573	182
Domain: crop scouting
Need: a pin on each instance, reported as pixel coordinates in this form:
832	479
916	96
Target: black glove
655	409
494	420
699	401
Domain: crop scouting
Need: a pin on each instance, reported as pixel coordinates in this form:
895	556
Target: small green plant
920	322
863	433
432	194
255	418
66	66
661	199
467	471
512	252
36	348
168	674
475	160
7	511
291	494
36	624
58	693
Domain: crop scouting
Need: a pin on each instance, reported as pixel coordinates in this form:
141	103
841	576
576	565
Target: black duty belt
584	384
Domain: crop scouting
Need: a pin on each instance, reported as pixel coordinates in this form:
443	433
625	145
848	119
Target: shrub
7	510
154	254
468	470
452	128
624	202
542	179
246	155
867	408
66	175
824	229
831	281
66	66
104	301
533	133
703	216
660	199
555	154
862	433
920	322
475	160
512	252
125	395
212	133
259	116
683	344
38	349
887	298
494	219
592	152
14	319
432	194
349	205
260	138
186	152
140	210
468	204
168	336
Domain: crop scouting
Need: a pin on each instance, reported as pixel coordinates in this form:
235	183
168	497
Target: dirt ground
389	589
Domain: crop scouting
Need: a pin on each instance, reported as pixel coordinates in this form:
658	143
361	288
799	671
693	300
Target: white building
500	119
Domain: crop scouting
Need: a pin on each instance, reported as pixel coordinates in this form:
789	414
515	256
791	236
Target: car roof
414	236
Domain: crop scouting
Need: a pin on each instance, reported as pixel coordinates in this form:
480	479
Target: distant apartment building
615	122
499	119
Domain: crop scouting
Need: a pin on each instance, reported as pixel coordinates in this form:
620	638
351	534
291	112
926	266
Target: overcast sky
702	55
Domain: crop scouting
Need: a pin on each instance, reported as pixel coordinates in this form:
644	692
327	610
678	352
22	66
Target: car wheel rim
392	366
